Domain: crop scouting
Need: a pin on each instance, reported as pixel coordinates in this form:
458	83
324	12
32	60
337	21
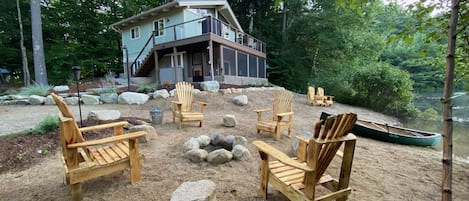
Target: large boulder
60	88
132	98
36	100
110	98
71	100
90	99
203	190
210	86
104	115
240	100
162	93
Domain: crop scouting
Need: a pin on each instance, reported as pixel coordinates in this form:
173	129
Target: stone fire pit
216	149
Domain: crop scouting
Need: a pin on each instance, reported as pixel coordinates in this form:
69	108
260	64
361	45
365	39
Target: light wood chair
297	177
326	99
313	99
282	115
84	160
182	105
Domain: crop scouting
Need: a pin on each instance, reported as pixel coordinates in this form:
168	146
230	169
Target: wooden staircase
146	66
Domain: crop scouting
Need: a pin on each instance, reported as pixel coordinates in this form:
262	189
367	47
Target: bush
36	89
48	124
383	88
146	88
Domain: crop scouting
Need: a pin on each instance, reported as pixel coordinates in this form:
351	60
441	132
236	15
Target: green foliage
36	89
48	124
429	114
383	88
8	92
21	156
146	88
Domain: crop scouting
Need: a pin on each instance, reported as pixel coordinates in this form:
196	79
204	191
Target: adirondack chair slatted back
311	93
283	102
333	128
69	132
320	92
185	95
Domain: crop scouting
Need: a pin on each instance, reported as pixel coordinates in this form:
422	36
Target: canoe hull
423	139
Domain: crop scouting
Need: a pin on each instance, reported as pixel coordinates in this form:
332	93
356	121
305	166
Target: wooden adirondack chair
326	99
182	105
282	115
84	160
297	177
314	99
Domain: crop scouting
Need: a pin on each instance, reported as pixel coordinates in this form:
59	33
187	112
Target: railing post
209	24
153	36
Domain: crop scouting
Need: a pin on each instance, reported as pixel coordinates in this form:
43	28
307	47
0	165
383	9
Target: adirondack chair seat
297	177
87	159
271	125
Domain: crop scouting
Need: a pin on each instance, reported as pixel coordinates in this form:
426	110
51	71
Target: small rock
61	88
196	155
241	153
190	145
229	120
203	140
104	115
240	140
162	93
151	132
219	156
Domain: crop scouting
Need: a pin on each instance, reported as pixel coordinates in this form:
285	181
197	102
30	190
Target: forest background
365	53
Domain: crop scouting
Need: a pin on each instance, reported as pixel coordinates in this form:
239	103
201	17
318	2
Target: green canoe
394	134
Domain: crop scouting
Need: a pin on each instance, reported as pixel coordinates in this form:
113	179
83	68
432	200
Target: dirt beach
380	171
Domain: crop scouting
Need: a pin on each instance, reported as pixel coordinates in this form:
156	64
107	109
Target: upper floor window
135	33
158	26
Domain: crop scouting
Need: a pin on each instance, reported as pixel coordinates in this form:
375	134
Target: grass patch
36	89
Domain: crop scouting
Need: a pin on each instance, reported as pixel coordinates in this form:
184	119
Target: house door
197	68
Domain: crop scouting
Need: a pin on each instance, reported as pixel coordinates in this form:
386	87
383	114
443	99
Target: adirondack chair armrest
329	97
178	105
202	106
282	157
259	113
262	110
344	138
284	114
104	126
108	140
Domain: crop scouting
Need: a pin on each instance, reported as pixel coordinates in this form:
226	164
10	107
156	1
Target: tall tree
24	57
446	194
40	72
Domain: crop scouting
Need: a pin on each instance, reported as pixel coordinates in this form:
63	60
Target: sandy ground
381	171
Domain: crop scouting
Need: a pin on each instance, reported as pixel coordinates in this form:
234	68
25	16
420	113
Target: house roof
221	5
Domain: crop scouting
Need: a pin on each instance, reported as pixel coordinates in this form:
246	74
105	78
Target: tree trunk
40	73
447	110
26	78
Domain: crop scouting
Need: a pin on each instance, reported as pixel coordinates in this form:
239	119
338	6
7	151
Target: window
158	26
135	33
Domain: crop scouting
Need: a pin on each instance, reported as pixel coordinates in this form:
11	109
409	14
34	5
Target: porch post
175	65
157	67
210	55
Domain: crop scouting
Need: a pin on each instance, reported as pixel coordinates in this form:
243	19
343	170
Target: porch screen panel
229	62
261	68
252	66
242	64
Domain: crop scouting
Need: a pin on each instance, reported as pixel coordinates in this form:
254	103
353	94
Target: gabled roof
221	5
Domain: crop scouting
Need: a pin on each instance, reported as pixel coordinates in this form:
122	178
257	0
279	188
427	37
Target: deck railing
194	28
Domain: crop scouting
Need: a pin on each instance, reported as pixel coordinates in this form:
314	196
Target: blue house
191	40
